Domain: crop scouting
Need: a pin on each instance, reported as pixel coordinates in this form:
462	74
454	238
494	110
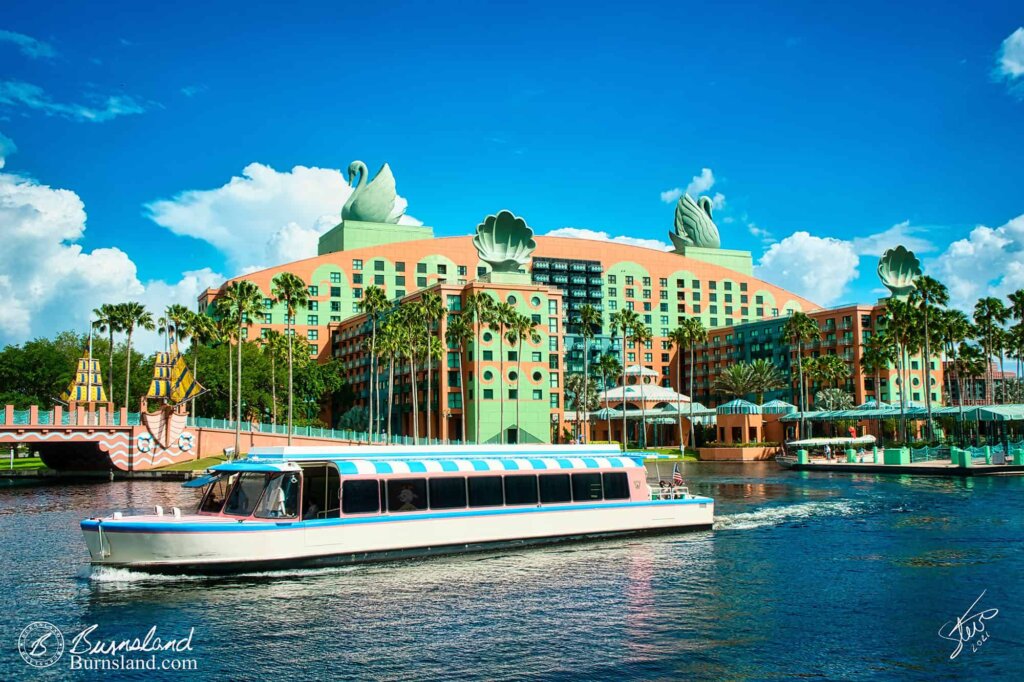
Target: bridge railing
63	417
313	432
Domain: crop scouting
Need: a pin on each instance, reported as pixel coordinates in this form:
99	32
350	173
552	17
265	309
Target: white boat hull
204	544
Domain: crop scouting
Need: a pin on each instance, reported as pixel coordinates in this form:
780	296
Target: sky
150	150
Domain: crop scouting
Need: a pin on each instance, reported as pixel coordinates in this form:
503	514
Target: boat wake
127	577
775	516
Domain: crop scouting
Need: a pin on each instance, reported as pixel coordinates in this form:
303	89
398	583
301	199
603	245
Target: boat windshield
280	500
215	495
246	493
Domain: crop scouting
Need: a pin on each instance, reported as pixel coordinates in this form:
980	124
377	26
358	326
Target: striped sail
87	384
172	379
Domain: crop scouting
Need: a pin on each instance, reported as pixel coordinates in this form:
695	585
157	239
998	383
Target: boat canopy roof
814	442
369	460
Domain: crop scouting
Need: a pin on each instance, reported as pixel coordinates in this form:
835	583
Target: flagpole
88	381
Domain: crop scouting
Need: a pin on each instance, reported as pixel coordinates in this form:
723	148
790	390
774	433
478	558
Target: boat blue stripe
449	465
509	465
592	463
538	464
127	526
347	468
417	468
383	468
479	465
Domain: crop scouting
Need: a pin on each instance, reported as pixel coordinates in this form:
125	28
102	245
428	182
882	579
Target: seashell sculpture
504	241
899	269
694	226
373	201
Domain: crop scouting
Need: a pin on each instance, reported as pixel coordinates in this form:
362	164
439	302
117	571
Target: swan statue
373	201
694	226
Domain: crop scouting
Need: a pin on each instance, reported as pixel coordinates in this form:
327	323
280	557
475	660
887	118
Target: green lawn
691	455
22	464
194	465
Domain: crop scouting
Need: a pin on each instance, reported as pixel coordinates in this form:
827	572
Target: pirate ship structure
86	387
173	385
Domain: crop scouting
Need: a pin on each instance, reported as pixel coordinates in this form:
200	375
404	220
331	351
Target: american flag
677	476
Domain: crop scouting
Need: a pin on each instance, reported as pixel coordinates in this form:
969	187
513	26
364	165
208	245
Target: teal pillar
966	459
875	453
1018	457
851	455
801	457
988	454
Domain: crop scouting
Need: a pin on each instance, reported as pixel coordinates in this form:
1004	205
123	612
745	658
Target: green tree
694	332
459	331
929	295
902	325
521	328
800	329
766	377
373	303
989	315
132	316
499	317
608	366
106	320
581	395
589	320
878	353
624	320
641	336
431	310
833	399
477	307
274	344
243	299
736	381
290	289
203	330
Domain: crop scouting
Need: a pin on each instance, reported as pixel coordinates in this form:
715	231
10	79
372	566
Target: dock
936	467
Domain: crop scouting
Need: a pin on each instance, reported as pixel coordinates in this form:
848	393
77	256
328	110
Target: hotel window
647	306
664	319
648	357
335	306
712	284
454	303
357	278
695	295
289	319
513	356
245	332
613	304
743	286
400	293
378	279
664	357
268	302
612	279
400	266
552	325
629	305
421	282
631	357
712	297
714	321
728	310
695	284
357	264
663	294
759	300
312	305
455	400
536	356
335	318
760	312
554	403
744	311
728	298
696	308
538	394
680	283
647	281
442	269
481	271
335	278
728	286
313	334
313	290
662	282
488	355
488	394
462	271
312	319
552	343
553	380
630	292
613	292
399	280
355	308
629	279
358	293
335	292
775	312
268	318
552	307
264	331
421	268
663	307
647	293
513	393
553	362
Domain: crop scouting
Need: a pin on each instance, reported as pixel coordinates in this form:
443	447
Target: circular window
487	337
512	300
535	301
488	375
513	375
537	376
916	381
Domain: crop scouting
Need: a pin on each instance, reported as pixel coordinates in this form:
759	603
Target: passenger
407	496
663	492
311	511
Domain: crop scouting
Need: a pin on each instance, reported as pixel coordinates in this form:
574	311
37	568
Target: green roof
738	407
777	407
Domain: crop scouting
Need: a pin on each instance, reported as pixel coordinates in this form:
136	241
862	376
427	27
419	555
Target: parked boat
787	459
284	507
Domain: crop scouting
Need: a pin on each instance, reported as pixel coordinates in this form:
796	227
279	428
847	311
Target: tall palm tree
164	329
373	303
203	330
273	343
410	340
679	337
499	317
736	381
624	320
225	335
132	316
589	319
433	351
800	329
476	307
695	332
642	335
177	317
107	321
1017	313
244	299
902	324
288	288
459	331
989	314
431	311
928	295
766	377
521	328
879	352
609	366
388	348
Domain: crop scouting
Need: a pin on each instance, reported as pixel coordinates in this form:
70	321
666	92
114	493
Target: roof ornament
899	269
694	226
373	201
505	242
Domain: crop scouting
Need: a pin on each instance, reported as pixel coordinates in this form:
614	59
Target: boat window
485	491
215	495
246	493
360	497
616	485
407	494
280	499
447	493
554	488
321	486
586	487
521	489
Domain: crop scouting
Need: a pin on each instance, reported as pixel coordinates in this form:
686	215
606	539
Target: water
805	575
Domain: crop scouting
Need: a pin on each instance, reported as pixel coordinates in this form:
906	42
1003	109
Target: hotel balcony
594	267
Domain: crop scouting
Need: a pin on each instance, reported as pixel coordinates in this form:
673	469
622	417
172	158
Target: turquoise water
806	575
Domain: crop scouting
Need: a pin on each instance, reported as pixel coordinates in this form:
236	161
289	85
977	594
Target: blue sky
858	125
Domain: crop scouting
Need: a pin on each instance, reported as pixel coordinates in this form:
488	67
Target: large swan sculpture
694	226
373	201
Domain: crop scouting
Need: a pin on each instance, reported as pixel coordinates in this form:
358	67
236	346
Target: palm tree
736	381
107	321
589	319
695	332
132	316
800	329
624	320
1017	312
679	337
408	338
609	366
177	317
500	316
243	299
387	347
989	314
433	351
272	345
476	307
833	399
902	325
520	329
431	309
927	295
641	335
225	334
879	352
164	329
766	377
203	330
458	332
289	289
373	303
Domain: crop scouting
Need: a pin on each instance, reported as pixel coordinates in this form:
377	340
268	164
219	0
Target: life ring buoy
144	443
186	442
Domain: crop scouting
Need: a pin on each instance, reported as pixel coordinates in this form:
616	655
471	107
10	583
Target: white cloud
264	217
49	282
817	268
988	262
17	93
193	90
583	233
1010	58
27	45
901	233
759	232
699	184
7	147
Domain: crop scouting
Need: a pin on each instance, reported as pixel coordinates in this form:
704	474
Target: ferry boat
788	458
284	507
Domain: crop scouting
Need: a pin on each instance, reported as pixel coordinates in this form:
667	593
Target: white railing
677	492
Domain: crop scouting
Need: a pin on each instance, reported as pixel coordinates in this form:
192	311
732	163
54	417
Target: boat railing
678	492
